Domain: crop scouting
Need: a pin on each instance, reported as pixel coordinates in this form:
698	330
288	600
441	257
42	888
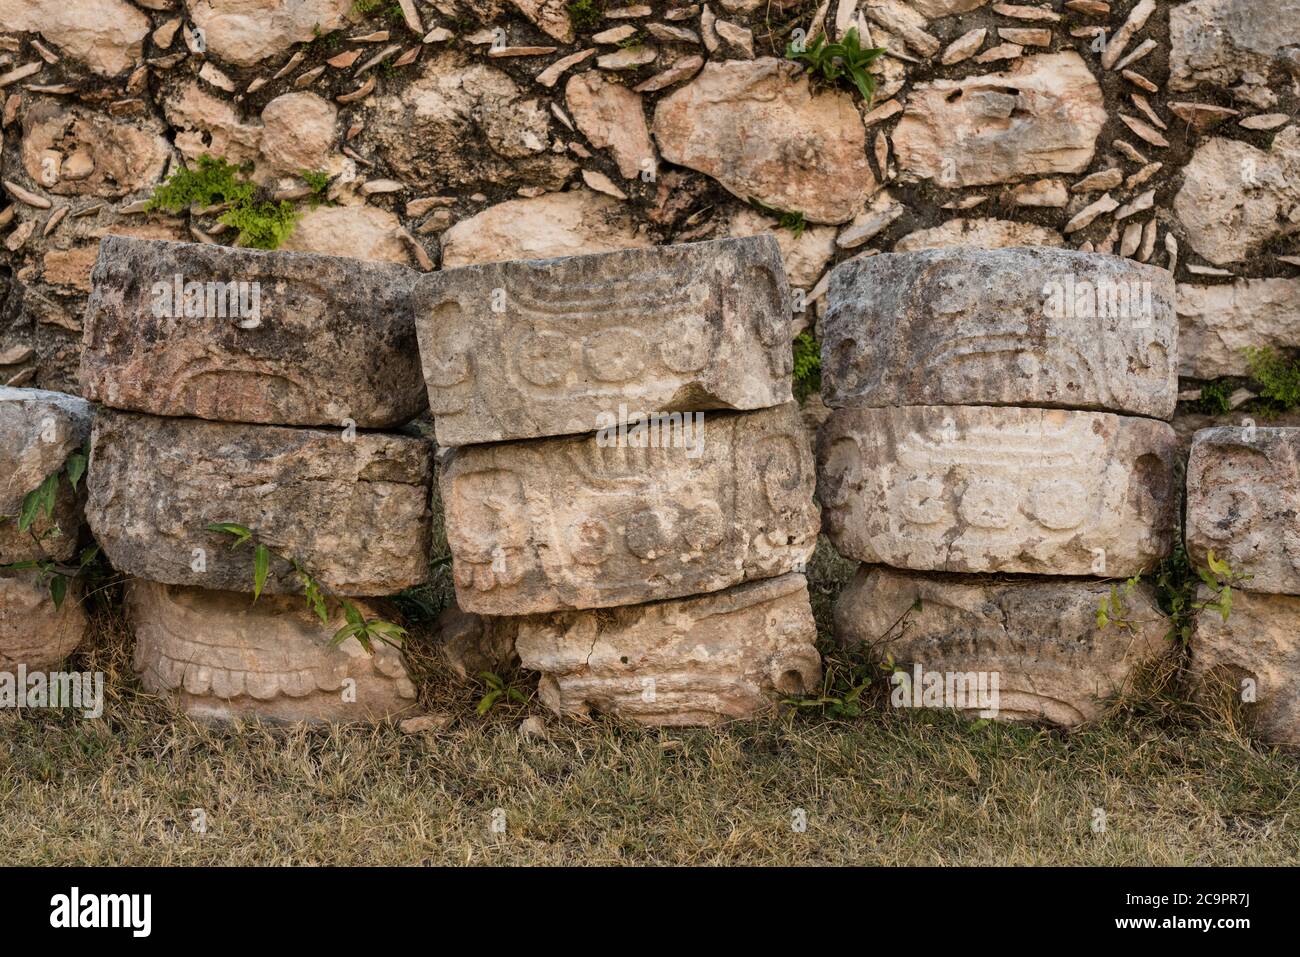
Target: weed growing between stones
807	366
585	14
1278	378
41	501
792	220
262	224
1215	397
318	597
843	61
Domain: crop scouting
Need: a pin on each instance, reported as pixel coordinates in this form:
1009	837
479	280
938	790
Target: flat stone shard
1256	654
242	335
32	631
1034	327
1243	502
987	489
220	656
1040	117
1039	637
354	510
595	521
687	661
38	431
535	348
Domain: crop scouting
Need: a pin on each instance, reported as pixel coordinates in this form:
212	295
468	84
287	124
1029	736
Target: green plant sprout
317	596
1278	378
498	692
840	61
210	182
1176	588
807	366
786	219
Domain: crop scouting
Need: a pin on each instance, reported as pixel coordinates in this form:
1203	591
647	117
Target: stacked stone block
248	387
1243	504
1001	413
39	431
655	574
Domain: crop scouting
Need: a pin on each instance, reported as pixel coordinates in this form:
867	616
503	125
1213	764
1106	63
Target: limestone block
1255	654
590	522
1031	327
32	631
535	348
253	336
687	661
1039	637
38	431
987	489
353	510
221	656
1243	502
471	643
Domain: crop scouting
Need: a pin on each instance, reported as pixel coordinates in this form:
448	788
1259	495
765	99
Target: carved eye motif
1059	504
687	348
704	527
989	503
923	500
545	358
589	541
649	534
615	355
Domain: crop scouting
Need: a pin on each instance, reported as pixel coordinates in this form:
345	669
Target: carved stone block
566	523
32	631
353	510
38	431
220	656
1243	503
681	662
246	335
1026	326
547	347
1034	642
985	489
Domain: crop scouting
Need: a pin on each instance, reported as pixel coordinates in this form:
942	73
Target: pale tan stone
1215	43
1219	323
358	232
1243	499
245	32
1001	327
805	256
353	509
38	431
978	234
762	134
106	35
687	661
1038	636
299	133
1255	656
610	116
977	131
985	489
565	523
551	16
220	656
33	632
210	125
75	151
547	347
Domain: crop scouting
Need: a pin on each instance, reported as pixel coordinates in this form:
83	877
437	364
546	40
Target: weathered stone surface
323	341
610	116
354	510
106	35
1217	323
985	489
547	347
220	656
298	132
1218	42
1042	116
208	124
576	223
1243	502
1235	198
1032	327
471	644
1038	636
245	32
32	631
805	256
465	124
74	151
687	661
38	431
1258	644
980	233
763	135
357	232
565	523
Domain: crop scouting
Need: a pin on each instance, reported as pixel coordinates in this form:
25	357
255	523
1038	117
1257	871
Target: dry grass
888	788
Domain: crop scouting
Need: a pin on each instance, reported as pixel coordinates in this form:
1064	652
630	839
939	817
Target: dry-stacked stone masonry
248	387
39	431
998	417
659	565
1243	503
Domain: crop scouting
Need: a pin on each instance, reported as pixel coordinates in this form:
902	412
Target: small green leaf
261	566
76	466
58	589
